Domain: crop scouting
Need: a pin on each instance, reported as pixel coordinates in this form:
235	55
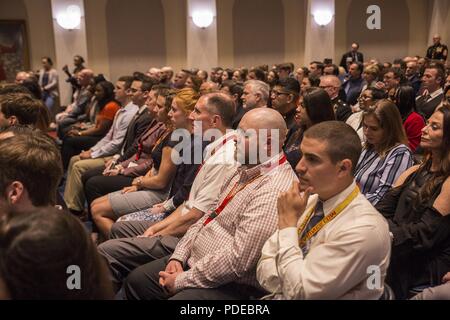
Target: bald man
437	51
332	85
166	75
216	258
77	110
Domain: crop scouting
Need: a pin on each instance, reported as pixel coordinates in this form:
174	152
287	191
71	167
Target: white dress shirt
206	187
355	121
340	256
112	142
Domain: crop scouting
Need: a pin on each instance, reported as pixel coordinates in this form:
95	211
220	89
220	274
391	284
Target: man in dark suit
432	82
141	120
352	56
412	74
332	85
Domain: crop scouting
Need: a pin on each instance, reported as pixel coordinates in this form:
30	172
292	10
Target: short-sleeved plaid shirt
228	248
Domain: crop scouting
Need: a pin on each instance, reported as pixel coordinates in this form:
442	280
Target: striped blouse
376	175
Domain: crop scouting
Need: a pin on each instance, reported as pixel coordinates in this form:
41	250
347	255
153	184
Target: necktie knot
316	218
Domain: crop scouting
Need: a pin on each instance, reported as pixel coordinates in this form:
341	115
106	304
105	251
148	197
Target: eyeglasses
278	93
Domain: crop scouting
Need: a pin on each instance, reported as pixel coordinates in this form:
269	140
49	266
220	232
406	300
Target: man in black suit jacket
140	122
352	56
432	82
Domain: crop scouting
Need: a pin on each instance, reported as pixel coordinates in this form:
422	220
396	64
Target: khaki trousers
74	194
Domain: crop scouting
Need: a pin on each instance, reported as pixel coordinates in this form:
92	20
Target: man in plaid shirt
217	257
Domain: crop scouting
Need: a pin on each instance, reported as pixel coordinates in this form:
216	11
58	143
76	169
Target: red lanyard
235	190
215	150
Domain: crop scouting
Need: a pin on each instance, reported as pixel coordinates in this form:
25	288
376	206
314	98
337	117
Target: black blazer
350	55
427	108
138	125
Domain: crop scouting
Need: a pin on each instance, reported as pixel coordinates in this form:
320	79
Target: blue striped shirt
376	175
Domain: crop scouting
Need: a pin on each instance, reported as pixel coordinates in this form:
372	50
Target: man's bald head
265	118
87	72
85	76
208	87
436	39
331	84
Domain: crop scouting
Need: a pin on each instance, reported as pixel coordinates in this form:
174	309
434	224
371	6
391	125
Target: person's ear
216	121
14	192
291	98
345	167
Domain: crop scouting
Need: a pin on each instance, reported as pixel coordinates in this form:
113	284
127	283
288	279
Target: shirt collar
142	109
436	93
261	169
129	105
332	203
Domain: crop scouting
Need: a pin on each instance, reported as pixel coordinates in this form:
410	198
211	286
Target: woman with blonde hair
385	155
166	180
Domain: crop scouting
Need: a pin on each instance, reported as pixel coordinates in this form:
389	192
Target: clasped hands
167	277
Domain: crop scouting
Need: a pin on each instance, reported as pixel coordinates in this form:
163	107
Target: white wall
202	48
319	40
68	43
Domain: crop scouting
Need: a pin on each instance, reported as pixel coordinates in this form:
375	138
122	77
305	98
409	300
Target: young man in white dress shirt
331	243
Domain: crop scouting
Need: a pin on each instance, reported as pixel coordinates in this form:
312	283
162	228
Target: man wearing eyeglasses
285	96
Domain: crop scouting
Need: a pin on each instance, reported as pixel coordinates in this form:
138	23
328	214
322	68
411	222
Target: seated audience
103	151
216	258
385	155
418	212
165	180
156	240
325	242
102	114
106	179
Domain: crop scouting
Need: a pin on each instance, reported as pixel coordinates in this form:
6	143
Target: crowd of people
259	183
